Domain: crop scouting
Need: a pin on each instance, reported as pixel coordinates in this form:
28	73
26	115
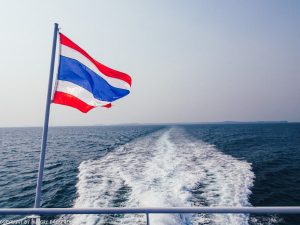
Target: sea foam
165	168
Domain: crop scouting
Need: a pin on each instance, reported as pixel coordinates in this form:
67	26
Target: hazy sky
191	61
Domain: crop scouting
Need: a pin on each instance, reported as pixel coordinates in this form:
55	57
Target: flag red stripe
70	100
109	105
104	69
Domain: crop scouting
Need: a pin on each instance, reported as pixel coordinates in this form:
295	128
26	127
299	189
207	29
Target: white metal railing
152	210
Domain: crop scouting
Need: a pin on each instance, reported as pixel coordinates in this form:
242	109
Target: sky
190	61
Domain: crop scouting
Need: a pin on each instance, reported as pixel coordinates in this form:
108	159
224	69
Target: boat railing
37	212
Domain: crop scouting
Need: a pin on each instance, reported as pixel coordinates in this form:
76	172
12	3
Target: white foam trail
166	168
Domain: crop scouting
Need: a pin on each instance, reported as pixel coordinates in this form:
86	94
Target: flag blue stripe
73	71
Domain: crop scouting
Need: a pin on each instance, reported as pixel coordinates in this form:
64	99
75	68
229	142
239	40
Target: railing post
148	220
35	219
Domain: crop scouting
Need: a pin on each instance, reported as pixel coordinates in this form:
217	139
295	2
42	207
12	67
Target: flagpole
37	202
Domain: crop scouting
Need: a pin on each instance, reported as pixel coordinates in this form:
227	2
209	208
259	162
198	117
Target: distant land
231	122
179	123
195	123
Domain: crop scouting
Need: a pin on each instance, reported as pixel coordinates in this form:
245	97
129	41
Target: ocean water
132	166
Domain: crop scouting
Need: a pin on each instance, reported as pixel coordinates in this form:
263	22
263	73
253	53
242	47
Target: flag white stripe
73	54
79	92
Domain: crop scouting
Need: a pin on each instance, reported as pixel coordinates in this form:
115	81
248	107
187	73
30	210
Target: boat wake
165	168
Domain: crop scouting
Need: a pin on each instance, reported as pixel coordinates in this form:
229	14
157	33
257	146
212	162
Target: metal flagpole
37	202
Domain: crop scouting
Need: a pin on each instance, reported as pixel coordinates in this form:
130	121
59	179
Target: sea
254	164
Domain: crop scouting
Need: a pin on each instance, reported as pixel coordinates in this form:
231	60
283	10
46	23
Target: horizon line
161	123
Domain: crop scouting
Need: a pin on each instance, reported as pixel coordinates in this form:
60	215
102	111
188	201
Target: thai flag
83	82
